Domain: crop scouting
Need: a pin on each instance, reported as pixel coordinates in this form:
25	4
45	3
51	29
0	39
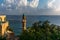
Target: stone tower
23	22
3	24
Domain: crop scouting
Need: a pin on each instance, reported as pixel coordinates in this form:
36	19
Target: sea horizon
15	21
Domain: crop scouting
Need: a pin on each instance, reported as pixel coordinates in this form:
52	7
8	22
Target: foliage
2	38
41	31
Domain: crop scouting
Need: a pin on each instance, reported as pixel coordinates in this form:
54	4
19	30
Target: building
23	22
3	24
10	35
4	27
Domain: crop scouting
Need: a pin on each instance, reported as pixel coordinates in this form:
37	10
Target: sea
15	21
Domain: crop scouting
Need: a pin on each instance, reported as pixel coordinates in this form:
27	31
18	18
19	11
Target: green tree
41	31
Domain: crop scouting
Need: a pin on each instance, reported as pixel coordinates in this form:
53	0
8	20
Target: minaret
23	22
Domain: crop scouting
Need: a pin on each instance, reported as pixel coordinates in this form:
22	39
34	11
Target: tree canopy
41	31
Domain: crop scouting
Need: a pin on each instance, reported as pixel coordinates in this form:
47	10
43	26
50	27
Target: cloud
50	3
10	1
22	3
34	3
19	6
19	3
30	7
16	4
54	4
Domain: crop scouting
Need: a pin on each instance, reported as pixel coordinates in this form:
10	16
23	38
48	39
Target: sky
30	7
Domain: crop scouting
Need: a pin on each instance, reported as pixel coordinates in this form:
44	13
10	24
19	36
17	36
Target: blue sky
30	7
42	3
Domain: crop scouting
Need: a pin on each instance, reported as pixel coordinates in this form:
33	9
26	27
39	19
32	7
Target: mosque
4	27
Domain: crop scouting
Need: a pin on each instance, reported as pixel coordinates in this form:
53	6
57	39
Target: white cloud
50	3
30	7
19	3
22	3
10	1
34	3
54	4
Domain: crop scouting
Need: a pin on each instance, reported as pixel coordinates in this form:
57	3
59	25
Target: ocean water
15	21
